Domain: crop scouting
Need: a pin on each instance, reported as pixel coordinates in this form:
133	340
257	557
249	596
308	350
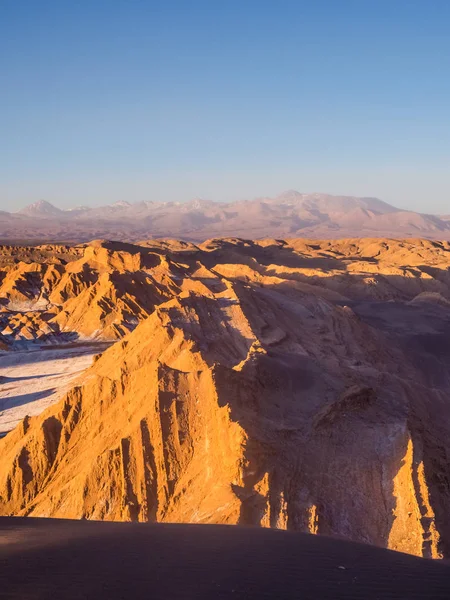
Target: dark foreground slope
43	558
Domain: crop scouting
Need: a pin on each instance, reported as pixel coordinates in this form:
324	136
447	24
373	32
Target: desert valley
282	383
210	388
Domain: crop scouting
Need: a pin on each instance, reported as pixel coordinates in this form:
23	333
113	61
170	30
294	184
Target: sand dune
44	558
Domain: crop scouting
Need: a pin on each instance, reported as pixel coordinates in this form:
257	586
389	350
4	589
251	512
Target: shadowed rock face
297	385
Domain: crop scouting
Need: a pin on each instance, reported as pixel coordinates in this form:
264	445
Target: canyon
293	383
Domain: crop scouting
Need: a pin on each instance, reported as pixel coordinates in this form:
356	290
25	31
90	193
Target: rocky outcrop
279	391
132	460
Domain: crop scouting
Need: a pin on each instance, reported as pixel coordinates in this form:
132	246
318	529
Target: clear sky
102	100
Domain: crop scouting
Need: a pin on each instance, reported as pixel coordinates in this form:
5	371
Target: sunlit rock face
287	384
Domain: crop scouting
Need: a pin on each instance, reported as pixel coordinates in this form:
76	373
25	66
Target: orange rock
292	384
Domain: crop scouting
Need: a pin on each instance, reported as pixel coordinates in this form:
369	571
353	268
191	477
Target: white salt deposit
34	379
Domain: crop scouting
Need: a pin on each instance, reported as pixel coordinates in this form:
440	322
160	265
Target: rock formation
289	384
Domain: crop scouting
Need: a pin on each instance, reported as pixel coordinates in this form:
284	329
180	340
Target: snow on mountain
42	208
290	214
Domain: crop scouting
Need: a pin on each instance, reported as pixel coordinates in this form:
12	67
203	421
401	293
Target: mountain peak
289	214
290	194
122	204
41	208
198	204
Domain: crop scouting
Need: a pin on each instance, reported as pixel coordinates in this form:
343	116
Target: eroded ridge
288	384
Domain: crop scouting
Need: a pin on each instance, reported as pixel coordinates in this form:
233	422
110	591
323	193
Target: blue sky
103	100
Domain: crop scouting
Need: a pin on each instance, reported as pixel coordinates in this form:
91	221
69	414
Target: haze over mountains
291	214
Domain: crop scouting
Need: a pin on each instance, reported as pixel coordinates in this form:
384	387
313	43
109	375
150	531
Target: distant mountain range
289	215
